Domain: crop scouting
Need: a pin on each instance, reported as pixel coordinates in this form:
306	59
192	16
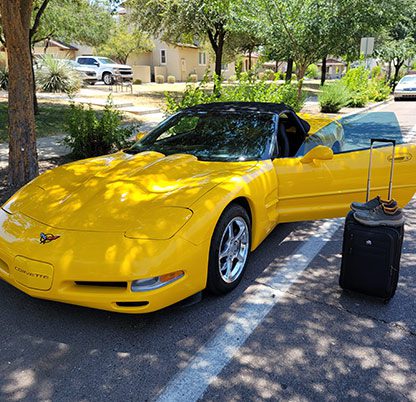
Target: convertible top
240	106
254	107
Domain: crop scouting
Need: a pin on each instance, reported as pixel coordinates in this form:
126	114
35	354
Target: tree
310	30
70	21
399	42
73	21
124	42
187	20
23	159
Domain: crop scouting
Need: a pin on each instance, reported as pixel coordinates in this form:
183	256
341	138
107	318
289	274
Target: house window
224	67
202	58
163	56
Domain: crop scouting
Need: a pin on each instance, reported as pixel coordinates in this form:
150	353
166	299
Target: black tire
233	215
108	79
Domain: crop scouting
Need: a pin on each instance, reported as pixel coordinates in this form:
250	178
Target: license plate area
33	274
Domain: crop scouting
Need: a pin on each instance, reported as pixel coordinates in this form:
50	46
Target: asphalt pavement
287	332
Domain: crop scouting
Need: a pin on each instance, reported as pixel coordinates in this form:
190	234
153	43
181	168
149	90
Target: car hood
147	193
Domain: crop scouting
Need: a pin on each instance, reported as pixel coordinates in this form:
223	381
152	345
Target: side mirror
320	152
140	135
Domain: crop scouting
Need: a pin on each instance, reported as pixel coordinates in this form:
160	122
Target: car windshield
212	136
106	60
408	80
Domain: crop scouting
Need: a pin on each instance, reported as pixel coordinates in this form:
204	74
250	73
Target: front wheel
108	78
229	251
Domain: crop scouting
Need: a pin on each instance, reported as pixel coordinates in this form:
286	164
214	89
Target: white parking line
410	136
256	302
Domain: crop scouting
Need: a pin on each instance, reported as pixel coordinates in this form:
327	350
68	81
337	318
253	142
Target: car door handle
400	157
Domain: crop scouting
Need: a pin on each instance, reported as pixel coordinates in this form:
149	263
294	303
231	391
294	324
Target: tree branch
38	16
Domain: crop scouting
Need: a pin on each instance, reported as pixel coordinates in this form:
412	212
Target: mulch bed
6	192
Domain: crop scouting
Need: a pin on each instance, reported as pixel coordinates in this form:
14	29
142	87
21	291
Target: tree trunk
300	75
397	66
23	158
218	59
323	71
389	71
249	60
276	67
289	70
35	98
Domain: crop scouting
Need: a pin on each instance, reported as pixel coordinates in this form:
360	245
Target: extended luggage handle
383	140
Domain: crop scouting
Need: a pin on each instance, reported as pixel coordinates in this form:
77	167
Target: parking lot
287	332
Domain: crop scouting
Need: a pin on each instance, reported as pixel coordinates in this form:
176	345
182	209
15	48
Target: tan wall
140	59
160	70
141	73
181	61
84	50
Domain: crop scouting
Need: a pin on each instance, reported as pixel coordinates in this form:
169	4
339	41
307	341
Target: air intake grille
102	284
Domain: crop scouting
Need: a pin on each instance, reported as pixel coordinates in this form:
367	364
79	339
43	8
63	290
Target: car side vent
3	266
132	304
102	284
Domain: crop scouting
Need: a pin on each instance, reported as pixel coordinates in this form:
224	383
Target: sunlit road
273	338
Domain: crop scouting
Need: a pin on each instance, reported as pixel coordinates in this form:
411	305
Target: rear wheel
230	248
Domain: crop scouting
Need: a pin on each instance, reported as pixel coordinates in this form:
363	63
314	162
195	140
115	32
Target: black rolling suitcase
371	255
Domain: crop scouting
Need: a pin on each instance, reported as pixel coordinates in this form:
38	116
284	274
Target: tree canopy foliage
190	20
123	42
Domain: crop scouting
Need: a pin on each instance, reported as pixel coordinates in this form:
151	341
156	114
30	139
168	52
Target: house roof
187	45
61	45
332	62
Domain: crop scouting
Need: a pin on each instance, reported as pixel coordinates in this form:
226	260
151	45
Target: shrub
232	79
171	79
93	133
261	76
278	75
312	71
4	77
356	80
376	72
245	76
333	97
160	79
269	74
193	77
55	75
137	81
246	91
378	90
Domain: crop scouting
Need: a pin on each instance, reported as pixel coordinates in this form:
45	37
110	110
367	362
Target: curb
367	108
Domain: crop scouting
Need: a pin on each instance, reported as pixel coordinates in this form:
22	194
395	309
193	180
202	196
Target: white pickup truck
107	69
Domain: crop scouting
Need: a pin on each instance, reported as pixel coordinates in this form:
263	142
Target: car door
319	188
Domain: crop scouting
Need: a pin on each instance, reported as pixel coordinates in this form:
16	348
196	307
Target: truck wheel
108	79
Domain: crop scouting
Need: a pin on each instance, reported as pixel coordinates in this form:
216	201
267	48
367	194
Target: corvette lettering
31	274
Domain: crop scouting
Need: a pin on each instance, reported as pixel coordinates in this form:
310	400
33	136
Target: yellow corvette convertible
181	209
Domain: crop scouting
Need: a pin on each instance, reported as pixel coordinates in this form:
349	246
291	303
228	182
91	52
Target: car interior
290	136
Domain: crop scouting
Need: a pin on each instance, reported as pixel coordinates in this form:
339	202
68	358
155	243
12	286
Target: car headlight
144	285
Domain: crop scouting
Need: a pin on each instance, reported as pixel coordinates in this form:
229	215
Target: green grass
50	120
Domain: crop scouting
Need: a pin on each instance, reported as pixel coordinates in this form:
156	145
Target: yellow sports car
181	210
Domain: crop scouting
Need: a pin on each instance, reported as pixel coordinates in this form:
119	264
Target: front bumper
94	269
404	94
